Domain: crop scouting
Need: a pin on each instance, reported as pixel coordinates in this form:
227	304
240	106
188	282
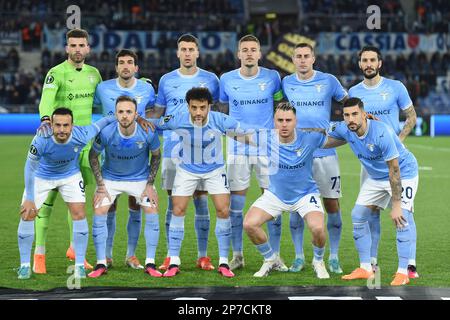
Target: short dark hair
304	45
249	37
62	111
284	106
187	37
351	102
370	48
126	98
199	94
77	33
126	52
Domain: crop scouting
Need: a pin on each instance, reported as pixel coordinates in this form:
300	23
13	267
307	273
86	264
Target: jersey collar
188	76
62	144
249	78
307	80
373	87
130	136
130	88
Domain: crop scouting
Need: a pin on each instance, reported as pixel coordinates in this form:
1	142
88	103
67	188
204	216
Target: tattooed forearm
394	179
95	166
410	122
154	167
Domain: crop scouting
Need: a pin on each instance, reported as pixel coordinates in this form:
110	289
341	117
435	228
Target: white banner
388	43
210	42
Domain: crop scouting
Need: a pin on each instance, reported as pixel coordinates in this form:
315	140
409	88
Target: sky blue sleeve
89	132
161	98
215	88
169	122
31	165
339	92
154	141
97	100
223	95
152	98
387	146
337	131
403	99
227	123
99	142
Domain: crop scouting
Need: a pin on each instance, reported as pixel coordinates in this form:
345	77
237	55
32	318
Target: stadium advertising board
146	41
388	43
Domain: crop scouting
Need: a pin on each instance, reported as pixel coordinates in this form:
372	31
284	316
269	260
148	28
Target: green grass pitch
432	219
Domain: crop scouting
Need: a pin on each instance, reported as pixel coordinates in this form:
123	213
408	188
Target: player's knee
178	211
223	212
78	216
331	205
250	226
317	230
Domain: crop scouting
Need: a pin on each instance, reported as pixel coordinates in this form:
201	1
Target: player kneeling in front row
291	189
125	170
201	132
393	180
52	163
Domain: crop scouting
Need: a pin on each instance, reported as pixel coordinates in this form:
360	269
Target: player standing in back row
70	84
384	98
106	94
249	94
172	90
311	93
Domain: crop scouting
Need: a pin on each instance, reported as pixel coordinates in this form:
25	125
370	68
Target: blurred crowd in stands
417	71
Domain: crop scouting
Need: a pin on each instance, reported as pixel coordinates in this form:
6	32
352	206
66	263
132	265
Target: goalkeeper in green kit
70	84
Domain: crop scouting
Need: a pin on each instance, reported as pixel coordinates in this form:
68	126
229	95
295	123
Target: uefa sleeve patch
49	79
33	150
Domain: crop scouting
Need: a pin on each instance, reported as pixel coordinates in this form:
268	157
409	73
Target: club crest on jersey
140	144
138	99
75	149
91	79
299	152
262	86
370	147
319	87
384	95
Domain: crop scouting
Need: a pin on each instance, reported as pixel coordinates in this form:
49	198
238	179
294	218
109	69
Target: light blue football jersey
108	91
251	100
60	160
290	166
385	100
312	100
378	145
126	158
172	90
201	146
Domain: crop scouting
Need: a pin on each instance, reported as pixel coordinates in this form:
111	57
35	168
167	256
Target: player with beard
385	99
70	84
106	94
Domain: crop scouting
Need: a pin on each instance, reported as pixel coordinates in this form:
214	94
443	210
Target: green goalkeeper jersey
65	86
